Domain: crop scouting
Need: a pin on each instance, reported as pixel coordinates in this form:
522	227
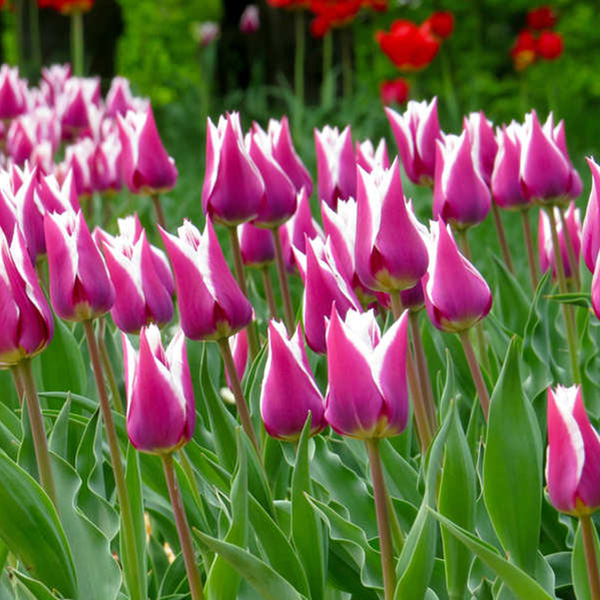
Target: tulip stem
533	273
421	417
270	296
158	209
288	309
238	394
346	34
183	529
383	520
568	315
591	558
482	392
327	83
77	43
300	51
573	262
132	572
36	47
18	385
241	279
24	373
108	370
502	238
425	380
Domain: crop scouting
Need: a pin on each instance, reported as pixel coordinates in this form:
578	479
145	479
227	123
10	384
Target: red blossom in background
550	45
524	50
440	24
407	45
378	5
332	13
67	7
289	4
394	92
541	18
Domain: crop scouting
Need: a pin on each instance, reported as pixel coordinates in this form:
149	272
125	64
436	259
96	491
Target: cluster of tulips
369	256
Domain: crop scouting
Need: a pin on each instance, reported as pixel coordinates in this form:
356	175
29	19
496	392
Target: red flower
441	24
289	4
541	18
524	51
409	47
332	13
378	5
394	92
550	45
67	7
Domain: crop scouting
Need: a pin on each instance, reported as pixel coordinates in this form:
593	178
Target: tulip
78	159
367	396
239	350
394	91
336	165
161	413
250	19
106	165
13	93
58	197
367	156
256	245
407	45
207	33
590	237
289	391
550	45
74	102
324	285
460	195
413	298
233	187
21	139
541	18
524	50
211	304
147	168
119	99
560	138
483	143
55	77
383	219
441	24
416	132
505	183
80	287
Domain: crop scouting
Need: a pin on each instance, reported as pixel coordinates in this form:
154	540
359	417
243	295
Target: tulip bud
55	77
573	457
73	103
416	132
13	93
119	99
413	298
483	143
460	195
80	287
256	246
456	295
250	19
161	413
590	237
289	391
394	91
336	165
147	168
367	395
383	219
560	138
211	304
27	322
368	157
233	188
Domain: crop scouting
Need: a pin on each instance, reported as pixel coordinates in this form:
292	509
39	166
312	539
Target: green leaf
58	441
38	590
10	431
575	298
31	530
457	502
512	466
307	529
511	304
268	583
521	584
581	582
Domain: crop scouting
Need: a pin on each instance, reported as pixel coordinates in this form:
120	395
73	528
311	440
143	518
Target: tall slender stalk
269	295
18	385
240	276
569	317
482	392
573	262
591	558
132	572
288	309
449	86
20	34
383	520
502	238
38	431
183	529
34	30
77	44
158	210
327	83
347	61
299	54
533	272
108	370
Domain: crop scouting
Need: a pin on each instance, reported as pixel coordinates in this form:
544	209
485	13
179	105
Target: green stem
270	296
158	209
567	308
591	558
183	529
240	275
327	83
77	44
502	238
108	370
18	385
34	28
38	432
288	309
533	272
449	86
20	35
299	54
133	577
573	262
383	521
482	392
347	44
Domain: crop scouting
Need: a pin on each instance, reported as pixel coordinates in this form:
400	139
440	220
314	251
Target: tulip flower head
408	46
550	45
483	143
367	395
367	156
13	93
590	238
394	91
524	50
289	391
573	455
250	19
541	18
456	295
161	413
441	24
256	246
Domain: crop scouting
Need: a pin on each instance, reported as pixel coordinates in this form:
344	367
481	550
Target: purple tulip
147	168
74	102
79	158
560	139
161	413
383	219
256	246
80	287
456	295
590	237
289	391
483	143
55	77
211	304
573	458
106	165
119	99
460	195
413	298
57	197
250	19
238	343
233	187
368	157
336	165
21	139
367	395
27	322
13	93
416	133
30	214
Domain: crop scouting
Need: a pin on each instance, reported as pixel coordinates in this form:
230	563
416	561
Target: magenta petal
505	182
405	143
159	304
590	238
340	227
256	245
427	133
